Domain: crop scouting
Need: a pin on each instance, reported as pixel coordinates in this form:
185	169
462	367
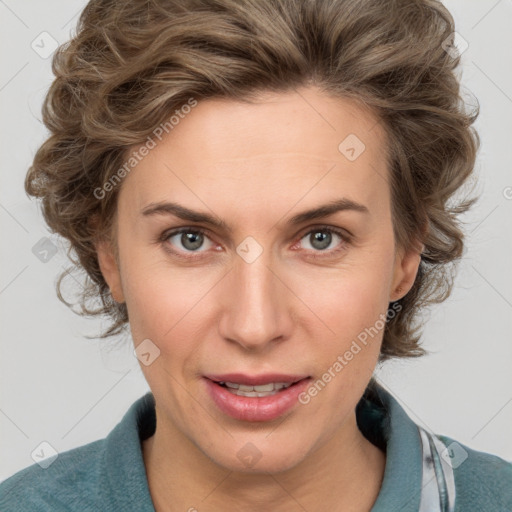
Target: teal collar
418	475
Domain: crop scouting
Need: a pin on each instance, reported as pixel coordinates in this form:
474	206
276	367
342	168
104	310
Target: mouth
255	398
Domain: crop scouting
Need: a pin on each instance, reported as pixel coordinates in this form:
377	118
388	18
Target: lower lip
264	408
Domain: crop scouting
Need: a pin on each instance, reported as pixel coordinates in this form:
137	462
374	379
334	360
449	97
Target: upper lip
256	380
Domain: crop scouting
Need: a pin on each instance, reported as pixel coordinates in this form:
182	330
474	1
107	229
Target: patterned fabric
438	481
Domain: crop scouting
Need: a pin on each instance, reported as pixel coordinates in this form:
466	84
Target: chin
257	456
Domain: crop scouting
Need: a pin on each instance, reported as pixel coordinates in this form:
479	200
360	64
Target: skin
255	166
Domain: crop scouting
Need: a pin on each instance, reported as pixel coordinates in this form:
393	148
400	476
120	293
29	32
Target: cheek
347	299
158	298
170	305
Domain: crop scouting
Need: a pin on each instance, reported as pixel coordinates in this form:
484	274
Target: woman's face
264	291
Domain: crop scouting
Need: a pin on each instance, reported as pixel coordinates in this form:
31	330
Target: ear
407	263
109	267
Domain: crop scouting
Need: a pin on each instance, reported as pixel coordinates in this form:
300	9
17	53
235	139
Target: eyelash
345	240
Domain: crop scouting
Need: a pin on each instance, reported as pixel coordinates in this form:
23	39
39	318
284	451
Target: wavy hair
130	64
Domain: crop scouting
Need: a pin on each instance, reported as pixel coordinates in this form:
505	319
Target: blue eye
320	239
190	239
184	242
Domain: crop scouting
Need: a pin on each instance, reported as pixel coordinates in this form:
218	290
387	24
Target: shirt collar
125	479
391	426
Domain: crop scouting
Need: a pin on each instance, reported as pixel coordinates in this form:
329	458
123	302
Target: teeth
256	391
259	389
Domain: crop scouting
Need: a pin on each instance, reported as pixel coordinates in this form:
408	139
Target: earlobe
406	269
109	267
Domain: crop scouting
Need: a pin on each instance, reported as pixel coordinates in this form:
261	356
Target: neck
345	473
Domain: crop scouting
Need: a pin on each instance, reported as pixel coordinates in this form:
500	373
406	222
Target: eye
322	241
321	238
190	240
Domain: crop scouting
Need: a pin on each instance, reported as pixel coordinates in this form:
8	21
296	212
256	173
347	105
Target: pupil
191	241
323	238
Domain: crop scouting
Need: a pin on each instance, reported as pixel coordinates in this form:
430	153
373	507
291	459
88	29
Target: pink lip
258	408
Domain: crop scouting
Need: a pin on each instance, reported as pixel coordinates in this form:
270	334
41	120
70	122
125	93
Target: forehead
282	147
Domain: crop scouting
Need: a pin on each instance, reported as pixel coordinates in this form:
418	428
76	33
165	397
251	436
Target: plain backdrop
61	388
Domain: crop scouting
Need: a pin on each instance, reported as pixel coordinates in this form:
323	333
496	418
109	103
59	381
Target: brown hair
133	63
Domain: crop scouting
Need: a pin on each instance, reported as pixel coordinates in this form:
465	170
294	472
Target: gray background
58	387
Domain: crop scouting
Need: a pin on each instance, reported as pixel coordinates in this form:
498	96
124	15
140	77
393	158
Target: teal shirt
423	472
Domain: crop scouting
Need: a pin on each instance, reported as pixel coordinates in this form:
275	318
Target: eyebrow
170	208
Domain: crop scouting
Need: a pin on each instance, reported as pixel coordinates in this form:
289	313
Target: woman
264	192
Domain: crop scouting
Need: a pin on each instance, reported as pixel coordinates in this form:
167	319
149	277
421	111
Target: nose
255	305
